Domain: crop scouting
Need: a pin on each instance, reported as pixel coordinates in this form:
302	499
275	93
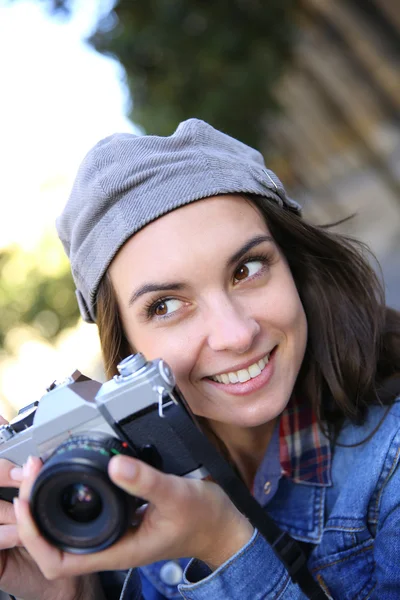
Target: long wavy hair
353	347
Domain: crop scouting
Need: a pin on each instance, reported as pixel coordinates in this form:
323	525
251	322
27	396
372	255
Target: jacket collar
299	509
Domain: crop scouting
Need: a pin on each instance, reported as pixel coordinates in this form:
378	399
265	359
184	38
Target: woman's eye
248	269
166	307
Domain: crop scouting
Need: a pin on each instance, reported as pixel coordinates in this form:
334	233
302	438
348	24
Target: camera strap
285	547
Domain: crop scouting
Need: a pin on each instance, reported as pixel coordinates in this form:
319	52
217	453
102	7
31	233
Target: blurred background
313	84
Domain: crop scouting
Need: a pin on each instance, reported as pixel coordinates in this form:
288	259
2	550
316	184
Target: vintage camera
76	428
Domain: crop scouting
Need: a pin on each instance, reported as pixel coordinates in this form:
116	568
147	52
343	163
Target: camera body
76	428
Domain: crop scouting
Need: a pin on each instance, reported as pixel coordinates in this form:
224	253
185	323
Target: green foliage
214	60
36	289
218	61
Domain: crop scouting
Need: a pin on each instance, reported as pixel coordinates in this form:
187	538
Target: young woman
188	248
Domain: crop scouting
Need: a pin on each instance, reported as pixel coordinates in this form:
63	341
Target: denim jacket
352	528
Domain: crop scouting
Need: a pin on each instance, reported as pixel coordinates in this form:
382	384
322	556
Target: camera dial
131	364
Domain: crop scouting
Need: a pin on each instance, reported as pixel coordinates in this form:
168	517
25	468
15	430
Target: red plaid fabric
305	453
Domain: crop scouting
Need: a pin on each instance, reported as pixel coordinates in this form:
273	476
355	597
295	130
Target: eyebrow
255	241
155	287
177	286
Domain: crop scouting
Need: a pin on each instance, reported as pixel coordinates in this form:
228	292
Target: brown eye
161	309
242	273
164	307
248	269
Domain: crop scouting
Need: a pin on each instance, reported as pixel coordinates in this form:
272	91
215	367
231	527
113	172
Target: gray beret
126	181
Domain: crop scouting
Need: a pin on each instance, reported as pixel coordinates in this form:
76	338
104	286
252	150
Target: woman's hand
19	573
184	517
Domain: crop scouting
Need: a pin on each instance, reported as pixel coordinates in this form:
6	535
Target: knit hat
126	181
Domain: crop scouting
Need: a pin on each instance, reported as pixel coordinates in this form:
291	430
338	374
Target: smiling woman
188	248
235	302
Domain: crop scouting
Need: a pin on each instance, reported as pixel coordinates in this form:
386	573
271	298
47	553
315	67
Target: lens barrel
75	505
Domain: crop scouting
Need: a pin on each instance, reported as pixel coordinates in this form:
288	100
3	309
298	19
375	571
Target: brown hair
353	339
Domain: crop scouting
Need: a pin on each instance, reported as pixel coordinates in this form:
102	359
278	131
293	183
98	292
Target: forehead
222	214
206	228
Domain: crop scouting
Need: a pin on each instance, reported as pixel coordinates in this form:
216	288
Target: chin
254	421
244	413
249	419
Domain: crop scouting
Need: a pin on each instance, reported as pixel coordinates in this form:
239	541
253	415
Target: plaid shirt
304	451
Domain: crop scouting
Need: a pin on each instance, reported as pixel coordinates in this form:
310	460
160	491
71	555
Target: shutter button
267	488
171	573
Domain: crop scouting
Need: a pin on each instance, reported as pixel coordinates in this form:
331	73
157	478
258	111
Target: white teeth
254	370
243	374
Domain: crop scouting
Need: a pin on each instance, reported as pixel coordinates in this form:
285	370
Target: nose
231	327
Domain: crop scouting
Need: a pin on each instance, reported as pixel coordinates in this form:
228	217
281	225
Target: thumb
140	479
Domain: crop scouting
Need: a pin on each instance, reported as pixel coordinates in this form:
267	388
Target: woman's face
206	289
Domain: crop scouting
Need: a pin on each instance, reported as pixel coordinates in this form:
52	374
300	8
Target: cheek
281	303
283	310
292	314
296	326
142	340
176	351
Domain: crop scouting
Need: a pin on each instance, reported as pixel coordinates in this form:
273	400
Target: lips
242	375
243	388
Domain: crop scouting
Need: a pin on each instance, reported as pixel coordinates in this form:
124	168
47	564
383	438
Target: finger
30	471
51	561
3	421
130	551
10	474
7	514
139	479
54	563
9	537
47	557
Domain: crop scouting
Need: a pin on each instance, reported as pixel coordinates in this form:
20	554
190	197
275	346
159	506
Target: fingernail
27	468
17	474
125	467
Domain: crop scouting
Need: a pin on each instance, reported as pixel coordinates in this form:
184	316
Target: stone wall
337	147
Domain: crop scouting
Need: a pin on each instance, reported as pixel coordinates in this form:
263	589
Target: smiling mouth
243	375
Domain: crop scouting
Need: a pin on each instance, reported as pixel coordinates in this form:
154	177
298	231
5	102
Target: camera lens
81	502
74	503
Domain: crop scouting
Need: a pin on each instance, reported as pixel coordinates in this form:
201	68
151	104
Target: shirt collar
304	451
298	450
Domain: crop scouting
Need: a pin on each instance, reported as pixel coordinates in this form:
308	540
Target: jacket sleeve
253	572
